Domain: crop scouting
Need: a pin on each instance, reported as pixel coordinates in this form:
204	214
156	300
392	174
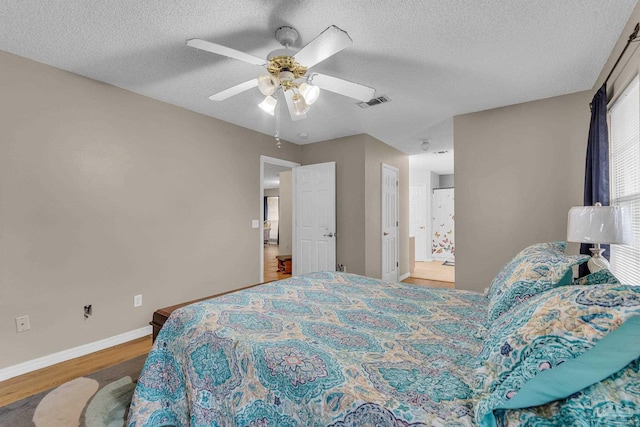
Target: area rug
100	399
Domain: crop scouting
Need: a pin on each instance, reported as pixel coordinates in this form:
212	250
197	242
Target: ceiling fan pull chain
278	142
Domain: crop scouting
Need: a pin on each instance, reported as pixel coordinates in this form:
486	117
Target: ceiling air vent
374	101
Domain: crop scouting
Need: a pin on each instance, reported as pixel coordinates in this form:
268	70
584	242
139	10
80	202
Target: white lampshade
267	84
269	105
600	224
309	92
299	106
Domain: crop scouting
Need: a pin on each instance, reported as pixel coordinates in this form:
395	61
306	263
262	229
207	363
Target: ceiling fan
287	70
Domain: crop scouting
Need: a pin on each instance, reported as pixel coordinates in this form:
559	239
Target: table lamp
599	225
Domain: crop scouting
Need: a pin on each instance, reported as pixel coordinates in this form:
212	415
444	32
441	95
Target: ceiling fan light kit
309	92
267	84
269	105
299	105
288	70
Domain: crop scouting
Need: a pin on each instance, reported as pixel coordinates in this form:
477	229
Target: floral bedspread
325	349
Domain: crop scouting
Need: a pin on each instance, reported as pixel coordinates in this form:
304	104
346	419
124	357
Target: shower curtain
443	226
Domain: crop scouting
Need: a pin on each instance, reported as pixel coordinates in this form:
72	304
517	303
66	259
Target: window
625	178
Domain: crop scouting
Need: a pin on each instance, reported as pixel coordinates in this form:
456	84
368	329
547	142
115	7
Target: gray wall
105	194
376	154
358	180
348	153
540	170
446	181
518	171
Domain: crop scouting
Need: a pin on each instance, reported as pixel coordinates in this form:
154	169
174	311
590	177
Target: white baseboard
72	353
404	276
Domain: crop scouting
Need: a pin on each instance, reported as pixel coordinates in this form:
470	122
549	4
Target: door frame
277	162
382	210
424	214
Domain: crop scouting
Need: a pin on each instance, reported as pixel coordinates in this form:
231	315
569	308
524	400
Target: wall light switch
255	223
137	301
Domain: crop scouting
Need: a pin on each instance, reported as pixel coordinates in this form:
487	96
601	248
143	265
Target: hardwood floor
35	382
271	272
426	282
434	270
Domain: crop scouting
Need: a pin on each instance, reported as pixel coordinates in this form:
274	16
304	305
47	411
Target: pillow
614	401
599	277
506	274
534	270
556	344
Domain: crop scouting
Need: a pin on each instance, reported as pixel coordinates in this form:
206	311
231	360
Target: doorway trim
277	162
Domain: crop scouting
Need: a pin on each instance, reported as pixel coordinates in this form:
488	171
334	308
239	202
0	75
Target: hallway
271	272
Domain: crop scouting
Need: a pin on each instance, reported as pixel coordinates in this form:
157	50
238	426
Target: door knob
422	228
385	234
328	234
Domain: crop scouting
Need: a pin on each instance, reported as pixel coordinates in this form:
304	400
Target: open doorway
432	217
275	217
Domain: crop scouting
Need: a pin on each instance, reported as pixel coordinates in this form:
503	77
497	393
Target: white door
389	223
418	219
314	240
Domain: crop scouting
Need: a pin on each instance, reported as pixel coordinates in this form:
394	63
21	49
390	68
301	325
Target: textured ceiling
433	58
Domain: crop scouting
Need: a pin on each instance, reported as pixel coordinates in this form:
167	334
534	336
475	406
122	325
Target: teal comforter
324	349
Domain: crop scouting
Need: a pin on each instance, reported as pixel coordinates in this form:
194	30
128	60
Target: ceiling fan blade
225	51
234	90
329	42
343	87
288	96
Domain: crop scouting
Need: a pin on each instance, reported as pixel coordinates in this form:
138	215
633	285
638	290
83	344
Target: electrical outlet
22	323
137	300
255	223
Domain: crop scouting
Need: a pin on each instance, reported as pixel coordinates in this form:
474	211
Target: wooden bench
284	263
161	315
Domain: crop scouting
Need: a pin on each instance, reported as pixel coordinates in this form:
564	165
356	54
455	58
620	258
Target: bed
337	349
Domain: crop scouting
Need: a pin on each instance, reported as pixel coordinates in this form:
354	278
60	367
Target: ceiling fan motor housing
286	69
286	35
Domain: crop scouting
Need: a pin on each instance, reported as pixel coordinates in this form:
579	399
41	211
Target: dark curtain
266	209
266	212
596	179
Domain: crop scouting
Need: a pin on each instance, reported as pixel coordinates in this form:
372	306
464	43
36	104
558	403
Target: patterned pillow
556	344
614	401
534	270
509	270
597	278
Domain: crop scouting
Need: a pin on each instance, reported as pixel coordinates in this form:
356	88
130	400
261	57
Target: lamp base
597	262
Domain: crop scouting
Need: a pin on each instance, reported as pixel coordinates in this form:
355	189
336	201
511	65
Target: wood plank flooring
43	379
426	282
271	272
434	270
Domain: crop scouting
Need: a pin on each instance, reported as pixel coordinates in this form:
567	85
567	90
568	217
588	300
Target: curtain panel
596	179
